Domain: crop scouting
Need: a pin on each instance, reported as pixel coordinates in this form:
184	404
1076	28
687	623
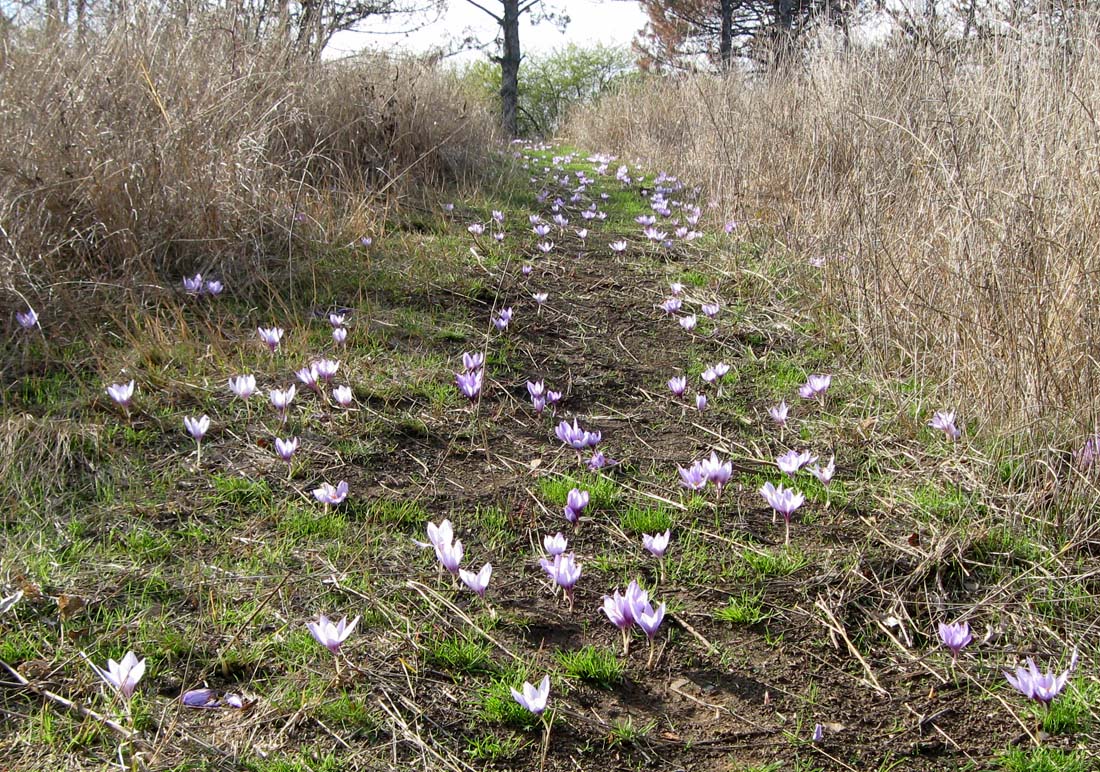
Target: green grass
593	665
350	713
781	562
249	495
1044	760
745	609
624	731
636	520
603	492
1073	711
459	654
498	706
402	513
491	749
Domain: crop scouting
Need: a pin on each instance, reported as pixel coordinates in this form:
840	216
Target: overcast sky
591	21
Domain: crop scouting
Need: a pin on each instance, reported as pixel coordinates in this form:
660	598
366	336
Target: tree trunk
725	42
509	69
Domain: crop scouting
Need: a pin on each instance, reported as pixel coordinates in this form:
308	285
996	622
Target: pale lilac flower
27	319
730	226
693	478
526	270
243	386
339	335
700	402
819	733
469	383
329	635
653	234
122	676
815	386
657	545
366	241
671	305
1042	687
791	461
285	449
502	319
720	369
944	420
575	503
598	461
617	609
677	385
474	360
449	555
336	319
955	636
560	220
534	219
326	369
477	582
546	247
688	322
554	545
650	620
122	393
576	437
498	236
645	219
710	310
784	501
281	400
192	285
448	207
582	233
213	288
779	413
498	216
824	475
197	427
342	395
309	377
618	246
439	535
331	496
541	230
534	699
676	288
552	397
718	472
270	336
540	297
477	229
565	571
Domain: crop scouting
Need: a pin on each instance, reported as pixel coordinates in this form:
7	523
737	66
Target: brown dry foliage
130	156
955	198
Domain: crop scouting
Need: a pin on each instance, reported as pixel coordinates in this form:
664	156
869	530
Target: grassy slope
120	540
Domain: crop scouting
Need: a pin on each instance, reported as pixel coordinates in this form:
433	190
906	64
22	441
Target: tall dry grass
132	155
955	197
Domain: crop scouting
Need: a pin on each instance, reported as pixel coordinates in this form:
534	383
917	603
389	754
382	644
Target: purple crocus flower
331	496
688	322
717	472
469	383
700	402
649	619
281	399
309	377
657	545
197	427
671	305
121	393
342	395
676	288
573	435
575	503
339	335
329	635
122	676
710	310
1041	687
565	571
326	369
474	360
791	461
598	461
784	501
540	297
501	320
526	270
270	336
677	385
244	386
534	699
815	386
192	285
476	229
546	247
285	449
449	555
618	246
541	230
694	478
944	420
955	636
824	474
478	582
27	319
779	413
554	545
582	233
213	288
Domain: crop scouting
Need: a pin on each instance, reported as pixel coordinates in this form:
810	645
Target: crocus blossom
575	503
824	474
192	285
658	544
309	377
955	636
281	399
710	310
944	421
554	545
791	461
27	319
342	395
331	495
329	635
815	386
244	386
677	385
694	477
326	369
197	427
339	335
534	699
565	571
270	336
649	619
473	360
122	393
618	246
449	555
779	413
469	383
700	402
285	449
688	322
478	582
576	437
1035	685
122	676
671	305
784	501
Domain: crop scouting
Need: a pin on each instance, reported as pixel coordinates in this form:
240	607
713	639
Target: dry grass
131	156
953	196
